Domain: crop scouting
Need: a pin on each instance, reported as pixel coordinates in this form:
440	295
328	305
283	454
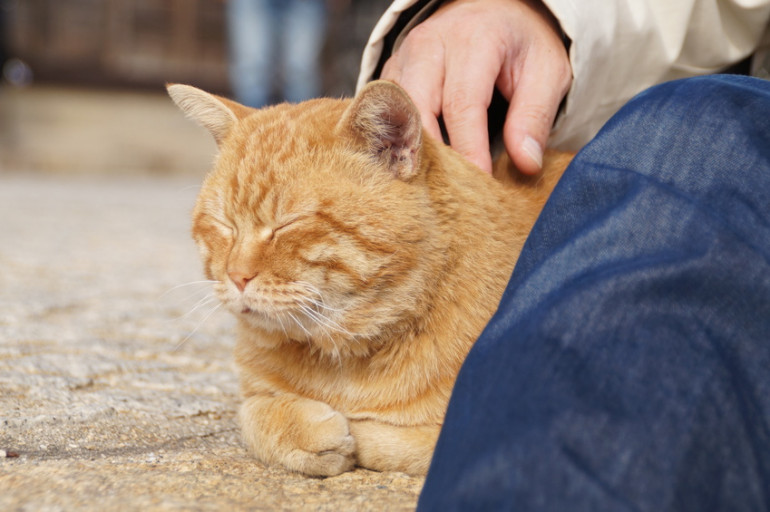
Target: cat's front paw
385	447
303	435
325	446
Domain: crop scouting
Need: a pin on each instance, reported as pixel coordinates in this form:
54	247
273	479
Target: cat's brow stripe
353	232
319	235
335	265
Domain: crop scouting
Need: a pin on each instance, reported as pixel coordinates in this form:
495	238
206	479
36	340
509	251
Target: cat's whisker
319	302
318	319
210	297
205	301
297	321
184	285
310	288
205	298
323	320
189	187
283	327
198	326
322	305
336	355
313	315
195	293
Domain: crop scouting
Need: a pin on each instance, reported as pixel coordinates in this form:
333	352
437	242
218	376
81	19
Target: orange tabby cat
362	260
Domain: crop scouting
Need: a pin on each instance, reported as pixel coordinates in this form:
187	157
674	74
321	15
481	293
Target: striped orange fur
362	259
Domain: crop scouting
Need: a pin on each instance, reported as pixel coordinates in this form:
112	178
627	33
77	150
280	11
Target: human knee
720	115
698	105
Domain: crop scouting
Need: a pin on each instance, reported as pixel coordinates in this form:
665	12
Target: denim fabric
275	42
628	365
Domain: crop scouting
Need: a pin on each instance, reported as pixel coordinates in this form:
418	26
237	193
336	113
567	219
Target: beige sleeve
620	48
374	46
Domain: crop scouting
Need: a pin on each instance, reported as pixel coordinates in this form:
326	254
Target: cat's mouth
241	307
298	315
264	318
253	310
252	313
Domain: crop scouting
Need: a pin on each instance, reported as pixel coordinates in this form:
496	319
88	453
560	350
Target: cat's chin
272	334
263	322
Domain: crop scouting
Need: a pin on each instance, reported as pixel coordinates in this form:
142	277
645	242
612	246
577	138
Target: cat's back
524	196
537	187
498	210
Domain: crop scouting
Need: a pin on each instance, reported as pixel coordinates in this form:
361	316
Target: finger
533	108
468	91
419	70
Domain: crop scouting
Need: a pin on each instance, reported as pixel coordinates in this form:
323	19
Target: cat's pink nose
240	279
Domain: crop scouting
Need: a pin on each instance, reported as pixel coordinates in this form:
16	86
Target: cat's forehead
269	187
278	139
308	120
277	160
256	201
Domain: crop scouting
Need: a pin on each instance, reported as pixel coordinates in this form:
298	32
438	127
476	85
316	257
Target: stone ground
116	385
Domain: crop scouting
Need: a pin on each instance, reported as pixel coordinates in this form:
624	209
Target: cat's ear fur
383	118
218	115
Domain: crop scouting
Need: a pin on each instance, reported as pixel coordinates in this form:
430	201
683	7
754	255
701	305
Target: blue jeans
275	42
628	365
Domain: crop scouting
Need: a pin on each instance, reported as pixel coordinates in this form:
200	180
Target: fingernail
533	149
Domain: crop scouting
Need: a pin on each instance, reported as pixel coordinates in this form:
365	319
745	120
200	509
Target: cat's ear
218	115
384	119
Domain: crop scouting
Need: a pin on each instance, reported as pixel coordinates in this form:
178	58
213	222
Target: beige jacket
619	48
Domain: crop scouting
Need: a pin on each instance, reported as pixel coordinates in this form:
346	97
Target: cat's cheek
262	339
213	250
205	256
209	266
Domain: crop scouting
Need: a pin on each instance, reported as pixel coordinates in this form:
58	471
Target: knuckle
538	114
538	119
421	36
459	103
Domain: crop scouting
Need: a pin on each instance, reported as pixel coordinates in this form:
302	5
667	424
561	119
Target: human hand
450	64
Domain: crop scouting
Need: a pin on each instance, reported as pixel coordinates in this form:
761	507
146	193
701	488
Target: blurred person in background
275	47
3	55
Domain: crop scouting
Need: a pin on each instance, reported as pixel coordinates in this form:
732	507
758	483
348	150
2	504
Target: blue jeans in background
628	365
275	43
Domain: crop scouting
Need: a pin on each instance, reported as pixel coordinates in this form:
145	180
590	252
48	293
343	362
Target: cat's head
315	221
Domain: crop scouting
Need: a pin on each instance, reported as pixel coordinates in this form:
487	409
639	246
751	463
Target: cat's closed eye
286	225
269	234
226	228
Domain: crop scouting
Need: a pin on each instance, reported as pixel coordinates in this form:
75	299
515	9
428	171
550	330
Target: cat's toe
329	462
326	446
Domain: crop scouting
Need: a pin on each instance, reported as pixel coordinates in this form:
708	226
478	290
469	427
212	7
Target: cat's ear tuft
383	117
218	115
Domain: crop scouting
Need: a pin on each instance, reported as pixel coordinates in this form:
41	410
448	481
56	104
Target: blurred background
82	80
